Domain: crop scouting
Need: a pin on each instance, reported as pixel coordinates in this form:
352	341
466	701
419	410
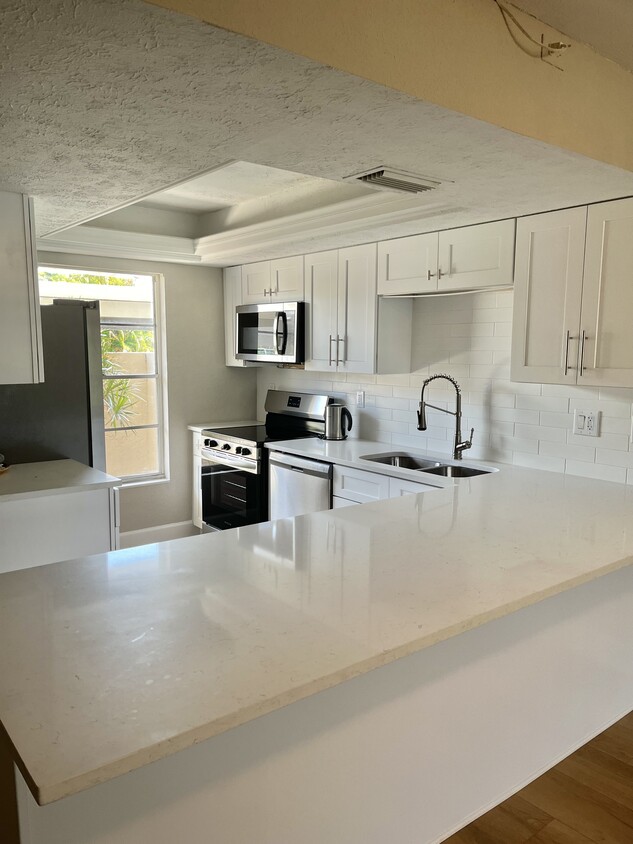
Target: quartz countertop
353	454
51	477
113	661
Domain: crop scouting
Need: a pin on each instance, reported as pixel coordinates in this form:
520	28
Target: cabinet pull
276	282
330	349
265	292
567	339
440	273
429	275
581	368
340	340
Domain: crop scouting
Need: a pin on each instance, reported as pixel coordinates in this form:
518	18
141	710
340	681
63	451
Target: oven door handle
281	337
210	458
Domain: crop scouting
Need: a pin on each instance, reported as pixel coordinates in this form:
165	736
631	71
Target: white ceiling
606	25
104	104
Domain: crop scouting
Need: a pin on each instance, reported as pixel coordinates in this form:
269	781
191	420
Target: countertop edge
49	793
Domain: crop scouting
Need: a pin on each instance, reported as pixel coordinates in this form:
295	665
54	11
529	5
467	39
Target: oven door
273	333
231	490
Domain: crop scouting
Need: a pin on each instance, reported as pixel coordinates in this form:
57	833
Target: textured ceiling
104	102
606	25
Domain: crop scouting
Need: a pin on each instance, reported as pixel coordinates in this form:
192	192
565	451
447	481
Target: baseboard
158	533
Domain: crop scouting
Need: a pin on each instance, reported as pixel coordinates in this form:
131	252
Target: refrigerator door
62	417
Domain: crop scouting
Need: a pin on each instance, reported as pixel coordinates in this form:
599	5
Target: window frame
160	352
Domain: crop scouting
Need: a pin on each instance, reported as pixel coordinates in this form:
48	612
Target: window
133	366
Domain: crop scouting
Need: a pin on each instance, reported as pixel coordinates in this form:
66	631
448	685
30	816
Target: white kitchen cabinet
20	332
50	528
547	296
408	265
280	280
574	297
338	502
476	257
606	347
346	328
469	258
359	486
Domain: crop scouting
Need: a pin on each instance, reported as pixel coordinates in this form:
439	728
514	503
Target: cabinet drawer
337	502
359	486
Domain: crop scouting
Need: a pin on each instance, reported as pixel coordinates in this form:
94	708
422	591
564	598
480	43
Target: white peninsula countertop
113	661
51	477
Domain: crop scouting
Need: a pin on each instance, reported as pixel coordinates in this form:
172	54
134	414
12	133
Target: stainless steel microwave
270	333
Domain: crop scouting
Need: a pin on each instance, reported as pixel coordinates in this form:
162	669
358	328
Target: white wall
200	387
468	337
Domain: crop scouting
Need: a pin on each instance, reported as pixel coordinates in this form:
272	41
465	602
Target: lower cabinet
50	528
356	486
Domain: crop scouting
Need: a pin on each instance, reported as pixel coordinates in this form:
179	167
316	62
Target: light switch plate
360	398
587	423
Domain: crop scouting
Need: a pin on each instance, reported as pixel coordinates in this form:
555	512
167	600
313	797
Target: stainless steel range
234	473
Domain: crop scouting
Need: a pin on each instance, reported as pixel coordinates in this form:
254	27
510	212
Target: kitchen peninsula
495	612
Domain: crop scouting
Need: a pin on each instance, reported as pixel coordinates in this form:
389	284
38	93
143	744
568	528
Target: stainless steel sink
456	471
404	461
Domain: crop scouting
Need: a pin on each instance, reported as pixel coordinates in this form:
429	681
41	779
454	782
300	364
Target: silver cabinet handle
567	339
330	349
265	292
341	340
440	273
276	281
429	275
581	368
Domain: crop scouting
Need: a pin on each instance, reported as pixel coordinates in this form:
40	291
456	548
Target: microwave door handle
281	337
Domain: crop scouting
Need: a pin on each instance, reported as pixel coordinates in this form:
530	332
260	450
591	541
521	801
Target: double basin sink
421	464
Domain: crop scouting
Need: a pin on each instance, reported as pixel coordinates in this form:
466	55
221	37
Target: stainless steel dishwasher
298	485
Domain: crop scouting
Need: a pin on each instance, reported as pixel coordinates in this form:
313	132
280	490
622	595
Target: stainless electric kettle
336	415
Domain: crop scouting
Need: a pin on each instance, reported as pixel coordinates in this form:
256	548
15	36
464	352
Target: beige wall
201	388
455	53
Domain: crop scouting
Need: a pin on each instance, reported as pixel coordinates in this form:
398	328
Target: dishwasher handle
300	464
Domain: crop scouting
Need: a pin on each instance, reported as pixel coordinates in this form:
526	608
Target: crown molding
111	243
350	216
279	237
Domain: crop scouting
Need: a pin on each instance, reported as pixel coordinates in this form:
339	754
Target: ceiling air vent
387	178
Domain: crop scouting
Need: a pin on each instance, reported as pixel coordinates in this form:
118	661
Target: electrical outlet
360	398
587	423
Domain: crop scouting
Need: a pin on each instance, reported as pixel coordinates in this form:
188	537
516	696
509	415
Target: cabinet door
321	273
547	293
476	256
256	283
356	334
359	486
286	279
408	265
607	297
196	491
20	331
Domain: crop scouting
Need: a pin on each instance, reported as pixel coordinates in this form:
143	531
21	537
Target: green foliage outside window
120	395
86	278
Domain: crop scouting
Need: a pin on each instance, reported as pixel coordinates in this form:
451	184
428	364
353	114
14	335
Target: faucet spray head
422	417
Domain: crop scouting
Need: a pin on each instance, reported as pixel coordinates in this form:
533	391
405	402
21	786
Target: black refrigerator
62	417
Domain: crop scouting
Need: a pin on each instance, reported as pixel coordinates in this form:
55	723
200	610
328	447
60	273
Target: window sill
149	481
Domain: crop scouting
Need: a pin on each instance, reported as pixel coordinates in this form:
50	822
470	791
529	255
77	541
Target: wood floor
586	799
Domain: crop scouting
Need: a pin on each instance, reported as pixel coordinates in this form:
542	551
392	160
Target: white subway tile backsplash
469	338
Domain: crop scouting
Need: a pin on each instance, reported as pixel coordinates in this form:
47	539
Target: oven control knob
210	443
238	449
246	451
226	447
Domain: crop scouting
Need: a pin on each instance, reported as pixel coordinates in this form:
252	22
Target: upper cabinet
346	328
574	298
20	332
280	280
469	258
